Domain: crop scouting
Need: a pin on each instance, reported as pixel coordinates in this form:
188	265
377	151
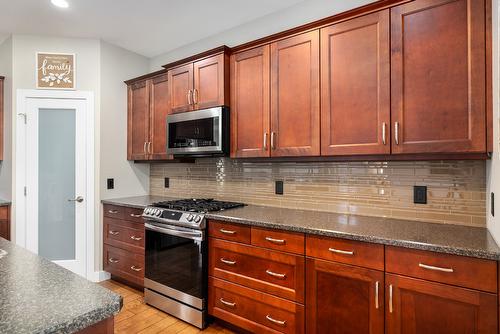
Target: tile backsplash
456	189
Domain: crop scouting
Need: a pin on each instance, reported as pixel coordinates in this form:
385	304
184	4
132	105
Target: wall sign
55	70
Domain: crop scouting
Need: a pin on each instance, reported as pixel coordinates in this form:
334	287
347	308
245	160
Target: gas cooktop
201	205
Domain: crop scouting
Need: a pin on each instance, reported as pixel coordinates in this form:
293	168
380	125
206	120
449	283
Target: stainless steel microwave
199	133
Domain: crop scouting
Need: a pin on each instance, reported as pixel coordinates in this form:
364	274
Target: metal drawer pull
274	321
228	262
227	231
227	303
425	266
390	298
114	232
114	212
135	238
338	251
111	260
269	272
276	241
376	294
134	268
135	216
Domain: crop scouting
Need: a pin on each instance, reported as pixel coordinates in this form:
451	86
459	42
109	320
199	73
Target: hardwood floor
137	317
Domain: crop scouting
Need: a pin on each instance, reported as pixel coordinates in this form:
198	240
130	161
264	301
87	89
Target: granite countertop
450	239
38	296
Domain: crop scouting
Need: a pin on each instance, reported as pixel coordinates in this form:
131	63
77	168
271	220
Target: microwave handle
183	234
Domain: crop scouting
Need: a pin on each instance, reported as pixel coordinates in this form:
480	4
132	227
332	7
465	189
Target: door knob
79	199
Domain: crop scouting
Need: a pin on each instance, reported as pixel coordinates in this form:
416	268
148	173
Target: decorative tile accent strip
456	189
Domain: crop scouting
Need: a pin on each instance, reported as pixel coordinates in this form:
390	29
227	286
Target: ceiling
147	27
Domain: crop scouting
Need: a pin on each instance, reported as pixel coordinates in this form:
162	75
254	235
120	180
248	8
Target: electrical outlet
278	188
167	182
420	194
111	183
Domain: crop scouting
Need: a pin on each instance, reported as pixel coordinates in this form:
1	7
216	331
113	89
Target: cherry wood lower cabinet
418	306
343	298
5	222
123	252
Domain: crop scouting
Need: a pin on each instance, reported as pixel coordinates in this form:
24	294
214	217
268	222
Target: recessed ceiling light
60	3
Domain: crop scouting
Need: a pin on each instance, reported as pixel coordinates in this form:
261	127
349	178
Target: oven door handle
183	234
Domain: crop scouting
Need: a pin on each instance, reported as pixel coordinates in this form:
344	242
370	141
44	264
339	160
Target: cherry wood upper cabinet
295	96
160	108
181	88
417	306
209	81
250	104
138	121
438	76
355	86
347	298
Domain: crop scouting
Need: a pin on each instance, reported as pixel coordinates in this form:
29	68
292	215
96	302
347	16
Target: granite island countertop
38	296
444	238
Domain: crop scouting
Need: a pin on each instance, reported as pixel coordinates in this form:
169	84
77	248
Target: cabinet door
343	298
295	96
355	86
210	82
160	108
181	88
138	121
418	306
250	104
5	229
438	76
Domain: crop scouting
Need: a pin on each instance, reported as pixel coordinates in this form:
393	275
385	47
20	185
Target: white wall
493	165
6	164
302	13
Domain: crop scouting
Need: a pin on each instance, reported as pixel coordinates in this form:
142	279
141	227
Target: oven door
176	263
202	132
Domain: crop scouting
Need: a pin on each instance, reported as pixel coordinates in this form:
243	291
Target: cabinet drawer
279	240
4	213
113	211
134	214
346	251
124	234
277	273
252	310
226	231
124	264
463	271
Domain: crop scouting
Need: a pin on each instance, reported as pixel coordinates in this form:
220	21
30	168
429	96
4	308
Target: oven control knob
158	213
147	211
197	219
190	218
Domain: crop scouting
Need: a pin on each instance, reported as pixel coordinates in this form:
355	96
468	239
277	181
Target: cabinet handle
227	303
227	231
265	141
280	276
228	262
376	294
190	97
134	268
276	241
390	298
111	260
396	132
144	148
195	96
383	133
135	238
274	321
445	270
338	251
272	140
149	147
135	216
114	232
113	212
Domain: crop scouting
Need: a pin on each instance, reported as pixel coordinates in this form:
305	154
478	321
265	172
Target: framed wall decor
55	70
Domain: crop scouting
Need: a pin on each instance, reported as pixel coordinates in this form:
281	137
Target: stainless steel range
176	264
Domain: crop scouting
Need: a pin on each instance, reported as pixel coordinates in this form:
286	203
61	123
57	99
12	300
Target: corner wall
6	164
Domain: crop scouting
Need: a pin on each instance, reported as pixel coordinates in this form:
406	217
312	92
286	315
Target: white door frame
23	96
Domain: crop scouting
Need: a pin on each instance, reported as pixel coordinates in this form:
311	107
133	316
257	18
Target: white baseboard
99	276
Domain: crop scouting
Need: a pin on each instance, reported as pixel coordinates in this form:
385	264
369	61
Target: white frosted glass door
55	181
56	184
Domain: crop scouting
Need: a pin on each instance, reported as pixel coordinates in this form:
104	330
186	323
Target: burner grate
202	205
